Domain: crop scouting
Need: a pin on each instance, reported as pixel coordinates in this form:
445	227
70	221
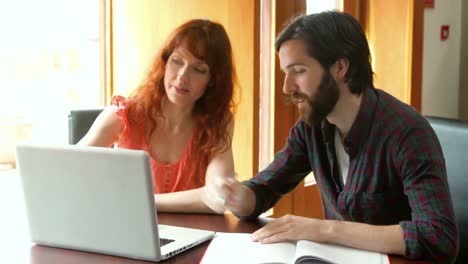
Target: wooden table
16	248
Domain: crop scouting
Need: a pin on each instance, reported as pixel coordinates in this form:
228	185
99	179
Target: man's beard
318	107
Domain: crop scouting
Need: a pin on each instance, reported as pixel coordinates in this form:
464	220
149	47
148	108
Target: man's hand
238	198
292	227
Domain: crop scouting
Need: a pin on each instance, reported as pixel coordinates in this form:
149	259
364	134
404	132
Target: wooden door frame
417	54
276	118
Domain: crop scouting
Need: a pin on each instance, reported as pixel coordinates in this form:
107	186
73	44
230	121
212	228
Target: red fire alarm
429	3
444	32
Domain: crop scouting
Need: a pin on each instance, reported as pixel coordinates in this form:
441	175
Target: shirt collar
359	132
360	129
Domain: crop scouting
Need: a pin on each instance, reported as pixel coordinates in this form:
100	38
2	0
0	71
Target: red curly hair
213	112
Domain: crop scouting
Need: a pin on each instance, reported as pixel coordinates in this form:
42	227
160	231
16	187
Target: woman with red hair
182	116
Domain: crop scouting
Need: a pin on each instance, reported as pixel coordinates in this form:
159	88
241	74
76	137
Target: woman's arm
182	202
207	198
219	170
105	131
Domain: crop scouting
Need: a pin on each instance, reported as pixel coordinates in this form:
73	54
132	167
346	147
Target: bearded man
377	162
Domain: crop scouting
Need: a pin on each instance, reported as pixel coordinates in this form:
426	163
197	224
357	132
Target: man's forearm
384	239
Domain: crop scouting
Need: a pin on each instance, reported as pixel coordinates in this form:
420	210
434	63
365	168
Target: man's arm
384	239
432	232
253	197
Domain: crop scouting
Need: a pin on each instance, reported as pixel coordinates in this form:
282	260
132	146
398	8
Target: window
314	6
50	62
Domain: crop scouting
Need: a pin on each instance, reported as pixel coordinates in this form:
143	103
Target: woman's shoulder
131	130
121	104
117	106
119	101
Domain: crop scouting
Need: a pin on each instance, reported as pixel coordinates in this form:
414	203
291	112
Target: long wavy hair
213	111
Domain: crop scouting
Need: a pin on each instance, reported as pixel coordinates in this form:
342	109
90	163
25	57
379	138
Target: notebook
243	250
97	200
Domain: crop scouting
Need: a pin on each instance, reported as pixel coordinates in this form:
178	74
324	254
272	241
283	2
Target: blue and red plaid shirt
396	175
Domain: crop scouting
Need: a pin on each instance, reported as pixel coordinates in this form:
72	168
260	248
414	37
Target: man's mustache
293	97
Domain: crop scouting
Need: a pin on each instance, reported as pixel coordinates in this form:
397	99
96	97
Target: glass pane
49	64
317	6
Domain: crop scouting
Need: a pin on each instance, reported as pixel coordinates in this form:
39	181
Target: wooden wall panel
140	27
390	34
243	26
395	33
416	42
358	9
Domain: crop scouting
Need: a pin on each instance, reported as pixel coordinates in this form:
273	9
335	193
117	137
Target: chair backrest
79	122
453	137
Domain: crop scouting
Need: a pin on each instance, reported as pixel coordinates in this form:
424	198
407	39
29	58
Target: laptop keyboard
165	241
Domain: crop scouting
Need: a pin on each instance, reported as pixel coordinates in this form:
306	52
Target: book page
238	248
336	254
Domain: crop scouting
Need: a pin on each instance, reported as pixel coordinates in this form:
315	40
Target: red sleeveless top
166	177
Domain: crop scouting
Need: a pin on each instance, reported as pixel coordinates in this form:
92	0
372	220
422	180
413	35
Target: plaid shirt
396	175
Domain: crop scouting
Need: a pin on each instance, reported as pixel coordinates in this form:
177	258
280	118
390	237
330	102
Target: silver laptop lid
89	198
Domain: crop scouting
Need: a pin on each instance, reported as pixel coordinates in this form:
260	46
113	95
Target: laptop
97	200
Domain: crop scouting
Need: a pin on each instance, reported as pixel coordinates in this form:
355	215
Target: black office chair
453	137
79	122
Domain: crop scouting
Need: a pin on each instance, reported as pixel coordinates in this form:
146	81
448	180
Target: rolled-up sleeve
432	232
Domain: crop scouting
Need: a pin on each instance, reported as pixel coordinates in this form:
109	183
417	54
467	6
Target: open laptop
98	200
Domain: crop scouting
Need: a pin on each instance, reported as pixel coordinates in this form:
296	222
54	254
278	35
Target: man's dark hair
330	36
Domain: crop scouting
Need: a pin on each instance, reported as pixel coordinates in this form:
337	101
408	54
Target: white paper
238	248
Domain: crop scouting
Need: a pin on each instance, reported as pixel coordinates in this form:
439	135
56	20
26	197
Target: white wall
441	60
462	102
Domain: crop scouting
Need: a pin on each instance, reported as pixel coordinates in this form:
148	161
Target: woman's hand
213	195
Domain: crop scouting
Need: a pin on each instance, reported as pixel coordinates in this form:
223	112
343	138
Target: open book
238	248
